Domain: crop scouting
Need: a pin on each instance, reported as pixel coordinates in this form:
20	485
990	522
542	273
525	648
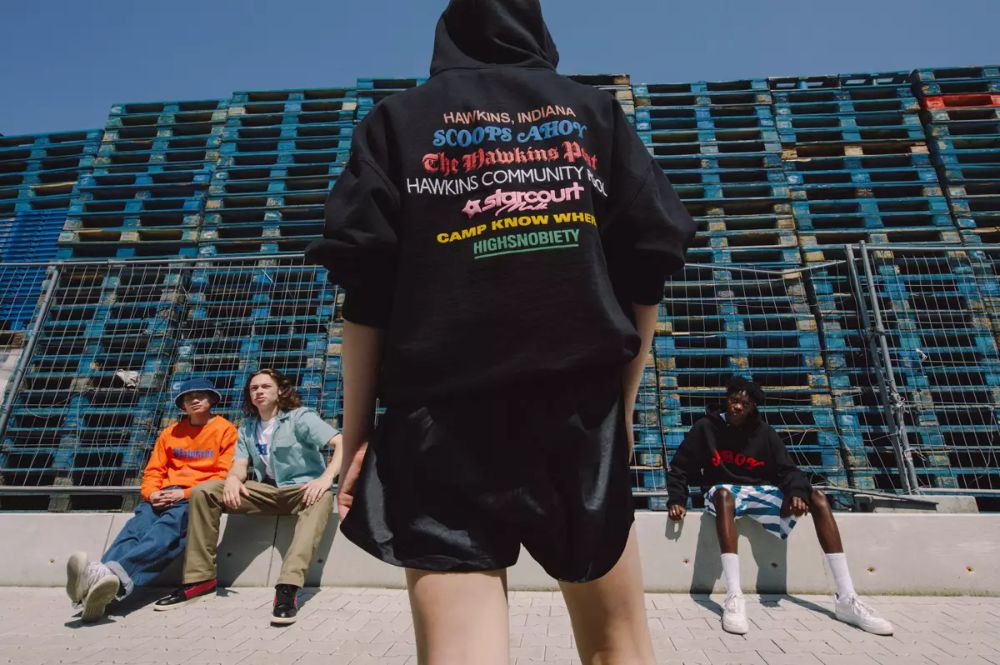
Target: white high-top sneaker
734	614
102	585
851	610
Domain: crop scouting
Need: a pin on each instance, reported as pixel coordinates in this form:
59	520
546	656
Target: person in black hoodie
745	469
503	237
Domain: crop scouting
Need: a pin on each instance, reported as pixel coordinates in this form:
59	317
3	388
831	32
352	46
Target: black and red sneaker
187	593
286	604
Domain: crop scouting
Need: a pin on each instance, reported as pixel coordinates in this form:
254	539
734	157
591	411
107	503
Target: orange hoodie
186	455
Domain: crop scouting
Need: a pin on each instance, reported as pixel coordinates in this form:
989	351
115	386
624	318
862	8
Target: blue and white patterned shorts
760	502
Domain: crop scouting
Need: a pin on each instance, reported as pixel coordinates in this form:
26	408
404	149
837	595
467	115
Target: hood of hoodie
472	34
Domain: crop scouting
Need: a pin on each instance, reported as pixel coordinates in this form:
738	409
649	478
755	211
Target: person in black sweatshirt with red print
744	469
503	237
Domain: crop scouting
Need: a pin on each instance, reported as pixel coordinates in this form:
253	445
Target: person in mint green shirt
280	469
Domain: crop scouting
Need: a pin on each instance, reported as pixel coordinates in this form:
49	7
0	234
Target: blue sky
65	62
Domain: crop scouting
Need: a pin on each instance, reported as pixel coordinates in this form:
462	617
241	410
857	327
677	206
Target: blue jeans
147	544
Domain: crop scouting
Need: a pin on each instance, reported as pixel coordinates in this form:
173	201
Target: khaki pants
206	510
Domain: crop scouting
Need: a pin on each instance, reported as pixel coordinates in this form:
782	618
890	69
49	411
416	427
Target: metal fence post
22	363
878	352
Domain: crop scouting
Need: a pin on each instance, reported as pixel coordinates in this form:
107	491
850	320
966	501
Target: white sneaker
851	610
102	586
76	576
734	614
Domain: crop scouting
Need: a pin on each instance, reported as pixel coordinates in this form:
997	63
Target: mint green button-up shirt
298	438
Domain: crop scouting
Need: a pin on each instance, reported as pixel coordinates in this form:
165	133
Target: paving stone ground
340	626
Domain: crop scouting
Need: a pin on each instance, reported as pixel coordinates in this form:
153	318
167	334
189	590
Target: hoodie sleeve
684	467
648	229
789	479
360	242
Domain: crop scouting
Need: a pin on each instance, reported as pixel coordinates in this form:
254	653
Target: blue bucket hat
195	386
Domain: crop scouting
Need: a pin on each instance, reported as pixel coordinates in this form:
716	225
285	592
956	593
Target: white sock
841	575
731	573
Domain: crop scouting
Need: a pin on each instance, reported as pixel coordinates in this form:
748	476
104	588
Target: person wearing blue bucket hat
280	468
197	448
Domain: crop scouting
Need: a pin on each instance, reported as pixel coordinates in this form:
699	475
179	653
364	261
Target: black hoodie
498	220
714	452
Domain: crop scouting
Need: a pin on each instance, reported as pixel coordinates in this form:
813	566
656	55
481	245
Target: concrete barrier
888	554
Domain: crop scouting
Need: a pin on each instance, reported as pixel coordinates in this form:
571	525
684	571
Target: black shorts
459	485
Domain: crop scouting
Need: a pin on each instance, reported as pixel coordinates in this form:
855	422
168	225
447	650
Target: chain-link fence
931	317
110	341
717	320
881	366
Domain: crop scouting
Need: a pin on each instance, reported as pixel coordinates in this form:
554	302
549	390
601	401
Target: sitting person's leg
92	578
205	514
80	570
722	504
829	539
310	524
145	558
764	504
849	608
147	545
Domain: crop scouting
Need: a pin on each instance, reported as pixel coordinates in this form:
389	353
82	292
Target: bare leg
460	618
826	526
609	613
725	520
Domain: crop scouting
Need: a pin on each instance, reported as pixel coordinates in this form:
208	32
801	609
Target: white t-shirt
265	430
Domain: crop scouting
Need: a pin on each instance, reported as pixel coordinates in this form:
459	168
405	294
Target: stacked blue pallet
262	314
27	237
778	173
962	119
719	145
332	402
89	405
857	164
758	325
31	236
618	86
859	169
947	365
146	195
281	152
38	176
92	396
39	171
373	90
649	453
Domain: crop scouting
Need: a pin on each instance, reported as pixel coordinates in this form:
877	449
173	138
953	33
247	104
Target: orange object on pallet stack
957	101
